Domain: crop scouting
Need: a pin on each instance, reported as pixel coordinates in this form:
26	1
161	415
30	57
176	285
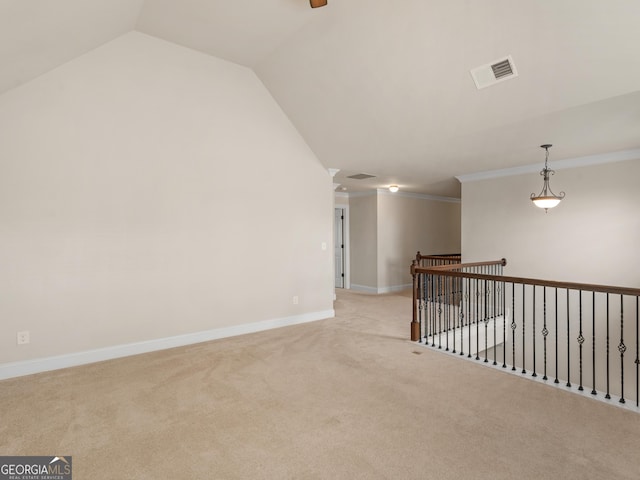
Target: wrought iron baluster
495	321
545	332
464	300
470	313
622	348
524	344
447	311
477	320
426	294
513	327
568	344
556	320
504	324
421	305
580	342
593	336
439	311
486	321
637	361
607	396
533	332
434	310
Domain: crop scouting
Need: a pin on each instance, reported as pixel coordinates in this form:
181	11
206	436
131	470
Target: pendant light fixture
546	198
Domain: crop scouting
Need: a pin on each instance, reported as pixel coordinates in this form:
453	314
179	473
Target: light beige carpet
344	398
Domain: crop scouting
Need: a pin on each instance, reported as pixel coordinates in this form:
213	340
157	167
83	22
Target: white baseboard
39	365
395	288
363	288
391	289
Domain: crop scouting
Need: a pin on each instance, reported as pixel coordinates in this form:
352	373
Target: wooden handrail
446	256
587	287
454	266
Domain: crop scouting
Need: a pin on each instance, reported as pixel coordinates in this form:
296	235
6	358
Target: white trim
395	288
557	165
333	171
363	288
381	290
29	367
341	195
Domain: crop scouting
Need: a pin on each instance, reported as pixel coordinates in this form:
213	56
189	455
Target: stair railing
564	331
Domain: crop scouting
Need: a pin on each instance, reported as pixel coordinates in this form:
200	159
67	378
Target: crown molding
557	165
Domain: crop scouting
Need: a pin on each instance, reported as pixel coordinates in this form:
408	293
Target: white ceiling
384	87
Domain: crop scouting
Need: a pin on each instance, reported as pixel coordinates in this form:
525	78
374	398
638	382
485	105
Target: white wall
388	229
363	248
408	224
138	202
592	236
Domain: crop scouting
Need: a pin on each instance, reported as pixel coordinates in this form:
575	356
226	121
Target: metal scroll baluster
439	311
464	301
556	302
421	305
533	332
424	303
545	332
580	342
469	320
453	309
495	321
447	310
434	309
593	337
637	355
607	396
504	323
568	344
513	327
486	321
477	320
524	344
622	348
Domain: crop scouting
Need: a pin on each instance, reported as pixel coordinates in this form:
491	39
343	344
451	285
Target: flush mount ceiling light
317	3
546	198
393	188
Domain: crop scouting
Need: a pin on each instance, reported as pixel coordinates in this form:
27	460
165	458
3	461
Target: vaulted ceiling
384	87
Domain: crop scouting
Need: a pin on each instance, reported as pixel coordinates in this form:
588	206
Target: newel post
415	325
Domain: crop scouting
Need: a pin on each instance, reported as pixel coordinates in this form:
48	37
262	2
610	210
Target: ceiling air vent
361	176
494	72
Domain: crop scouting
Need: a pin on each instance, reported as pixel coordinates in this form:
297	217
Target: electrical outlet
295	300
22	338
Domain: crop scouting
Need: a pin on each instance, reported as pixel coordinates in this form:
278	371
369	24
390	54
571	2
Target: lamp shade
546	202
